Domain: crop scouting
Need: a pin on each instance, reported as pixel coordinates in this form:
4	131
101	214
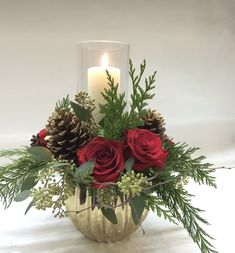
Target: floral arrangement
126	155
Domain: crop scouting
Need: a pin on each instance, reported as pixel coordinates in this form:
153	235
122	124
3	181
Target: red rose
108	157
41	137
146	148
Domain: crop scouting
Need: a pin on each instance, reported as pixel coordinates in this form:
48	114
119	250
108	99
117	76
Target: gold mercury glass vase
95	226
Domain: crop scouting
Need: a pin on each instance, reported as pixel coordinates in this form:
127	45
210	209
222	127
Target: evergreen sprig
167	187
12	152
178	201
181	160
116	118
13	175
63	104
140	96
158	206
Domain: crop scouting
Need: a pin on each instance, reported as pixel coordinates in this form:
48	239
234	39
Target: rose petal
108	155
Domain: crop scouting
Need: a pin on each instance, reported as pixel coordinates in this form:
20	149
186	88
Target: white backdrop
191	43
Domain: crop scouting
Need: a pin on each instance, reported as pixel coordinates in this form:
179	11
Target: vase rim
102	41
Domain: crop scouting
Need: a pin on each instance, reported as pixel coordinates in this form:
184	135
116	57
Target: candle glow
97	82
105	60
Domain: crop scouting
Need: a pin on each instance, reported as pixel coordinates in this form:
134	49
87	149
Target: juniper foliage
116	116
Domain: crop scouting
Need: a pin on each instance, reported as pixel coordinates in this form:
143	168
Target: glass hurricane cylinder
94	59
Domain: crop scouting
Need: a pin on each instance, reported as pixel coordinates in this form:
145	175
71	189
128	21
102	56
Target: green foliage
137	208
170	200
157	206
178	201
40	154
14	174
109	214
83	173
106	197
82	113
129	164
56	187
21	174
12	152
63	104
140	96
22	195
116	118
29	207
29	183
181	160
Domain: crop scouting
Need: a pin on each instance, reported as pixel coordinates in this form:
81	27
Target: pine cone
66	134
154	122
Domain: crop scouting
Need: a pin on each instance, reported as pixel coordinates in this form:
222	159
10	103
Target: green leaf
41	154
101	122
129	164
110	215
137	208
101	132
29	207
81	112
29	183
84	171
22	196
60	165
85	168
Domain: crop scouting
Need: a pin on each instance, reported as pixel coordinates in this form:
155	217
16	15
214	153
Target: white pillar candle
97	81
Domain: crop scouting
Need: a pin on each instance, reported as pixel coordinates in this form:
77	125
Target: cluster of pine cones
66	133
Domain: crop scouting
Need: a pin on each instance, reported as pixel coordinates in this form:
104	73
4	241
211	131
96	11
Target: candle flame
105	60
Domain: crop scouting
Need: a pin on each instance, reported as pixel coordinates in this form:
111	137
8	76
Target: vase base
94	225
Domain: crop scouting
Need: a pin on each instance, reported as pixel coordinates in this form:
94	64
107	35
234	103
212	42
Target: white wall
190	42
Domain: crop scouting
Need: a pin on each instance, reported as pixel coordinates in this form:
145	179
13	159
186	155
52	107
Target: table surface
39	231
